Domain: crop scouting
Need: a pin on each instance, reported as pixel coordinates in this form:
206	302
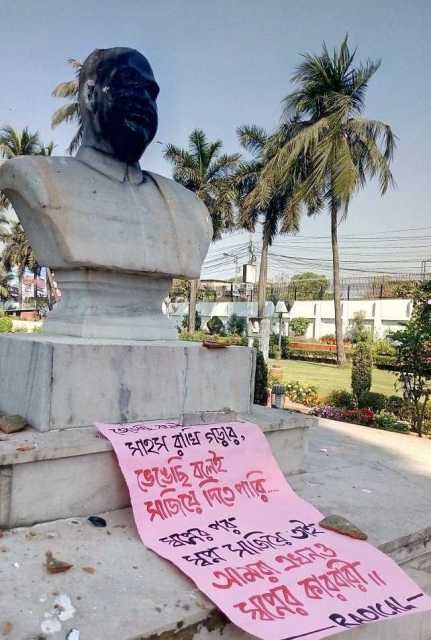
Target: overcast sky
224	63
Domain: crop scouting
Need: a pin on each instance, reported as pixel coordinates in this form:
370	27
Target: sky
224	63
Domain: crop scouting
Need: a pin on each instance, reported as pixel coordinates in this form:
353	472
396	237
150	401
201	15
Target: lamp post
280	308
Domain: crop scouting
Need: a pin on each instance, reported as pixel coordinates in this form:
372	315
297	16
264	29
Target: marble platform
61	382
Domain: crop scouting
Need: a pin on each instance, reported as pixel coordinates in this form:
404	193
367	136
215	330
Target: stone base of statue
62	385
61	382
109	304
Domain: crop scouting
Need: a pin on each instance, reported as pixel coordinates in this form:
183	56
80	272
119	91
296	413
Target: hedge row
316	355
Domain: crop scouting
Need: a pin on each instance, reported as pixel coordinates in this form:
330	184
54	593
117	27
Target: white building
381	316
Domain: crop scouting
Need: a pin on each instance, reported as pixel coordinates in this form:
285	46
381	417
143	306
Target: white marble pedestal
60	382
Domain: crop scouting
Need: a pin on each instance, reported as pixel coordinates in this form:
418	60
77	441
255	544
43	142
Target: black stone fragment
97	521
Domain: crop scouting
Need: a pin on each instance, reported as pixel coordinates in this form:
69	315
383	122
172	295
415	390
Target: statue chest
106	224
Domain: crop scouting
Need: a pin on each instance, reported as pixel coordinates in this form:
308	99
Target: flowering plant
302	393
356	416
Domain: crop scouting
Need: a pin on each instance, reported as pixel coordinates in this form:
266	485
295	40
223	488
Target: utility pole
235	260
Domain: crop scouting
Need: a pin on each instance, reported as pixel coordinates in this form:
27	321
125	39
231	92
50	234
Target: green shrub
362	369
358	331
384	354
386	362
384	347
185	321
302	393
298	326
373	400
426	427
273	347
6	324
273	344
284	347
215	326
390	422
395	405
341	399
261	379
236	325
313	355
196	336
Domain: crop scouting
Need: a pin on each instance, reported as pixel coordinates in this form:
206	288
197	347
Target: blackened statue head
117	99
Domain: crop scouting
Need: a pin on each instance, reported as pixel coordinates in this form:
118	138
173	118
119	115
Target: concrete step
58	474
119	590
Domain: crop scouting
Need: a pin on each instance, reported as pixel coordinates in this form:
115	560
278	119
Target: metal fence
367	288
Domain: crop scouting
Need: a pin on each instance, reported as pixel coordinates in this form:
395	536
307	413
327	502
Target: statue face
121	101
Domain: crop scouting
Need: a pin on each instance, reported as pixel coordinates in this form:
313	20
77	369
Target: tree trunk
35	271
20	285
263	276
341	355
194	286
264	323
49	287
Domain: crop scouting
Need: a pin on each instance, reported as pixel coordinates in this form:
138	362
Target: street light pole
280	308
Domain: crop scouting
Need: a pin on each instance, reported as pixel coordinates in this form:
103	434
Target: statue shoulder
182	200
30	177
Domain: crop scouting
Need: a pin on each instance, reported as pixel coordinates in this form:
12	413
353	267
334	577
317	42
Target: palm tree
4	283
20	142
18	253
70	111
343	149
209	174
277	212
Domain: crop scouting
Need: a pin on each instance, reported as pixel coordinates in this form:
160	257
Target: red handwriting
276	604
251	488
340	575
219	495
207	470
169	505
240	576
306	555
162	476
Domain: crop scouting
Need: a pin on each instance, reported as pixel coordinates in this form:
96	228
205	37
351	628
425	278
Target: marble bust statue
114	234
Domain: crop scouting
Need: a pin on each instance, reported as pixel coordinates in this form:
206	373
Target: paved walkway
380	480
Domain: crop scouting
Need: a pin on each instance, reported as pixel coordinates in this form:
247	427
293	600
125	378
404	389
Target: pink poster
212	500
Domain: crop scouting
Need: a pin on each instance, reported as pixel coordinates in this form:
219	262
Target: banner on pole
212	500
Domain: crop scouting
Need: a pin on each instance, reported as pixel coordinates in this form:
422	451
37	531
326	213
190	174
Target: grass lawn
327	377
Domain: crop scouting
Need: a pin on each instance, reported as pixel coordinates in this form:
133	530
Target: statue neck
106	163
